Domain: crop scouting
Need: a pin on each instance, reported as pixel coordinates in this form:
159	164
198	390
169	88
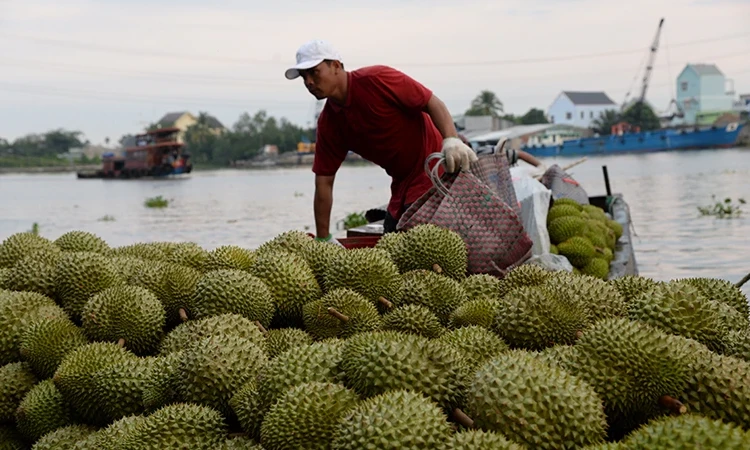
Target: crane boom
650	65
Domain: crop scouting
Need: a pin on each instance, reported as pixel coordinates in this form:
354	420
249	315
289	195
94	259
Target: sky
110	67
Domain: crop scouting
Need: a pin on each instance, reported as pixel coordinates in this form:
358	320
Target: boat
157	154
623	141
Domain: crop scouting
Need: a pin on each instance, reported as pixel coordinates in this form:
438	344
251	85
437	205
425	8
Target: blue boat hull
647	141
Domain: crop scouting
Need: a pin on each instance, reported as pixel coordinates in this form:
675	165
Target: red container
356	242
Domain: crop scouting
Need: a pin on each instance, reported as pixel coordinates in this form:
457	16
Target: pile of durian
299	344
584	234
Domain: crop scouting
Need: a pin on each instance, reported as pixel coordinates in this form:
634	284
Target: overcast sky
109	67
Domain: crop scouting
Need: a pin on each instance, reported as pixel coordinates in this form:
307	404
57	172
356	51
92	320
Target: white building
579	109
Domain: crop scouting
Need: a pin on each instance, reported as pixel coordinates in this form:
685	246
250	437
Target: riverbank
50	169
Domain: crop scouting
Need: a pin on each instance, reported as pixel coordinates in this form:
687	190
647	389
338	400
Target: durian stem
744	280
462	418
383	301
121	342
261	327
338	315
672	404
436	268
579	334
183	315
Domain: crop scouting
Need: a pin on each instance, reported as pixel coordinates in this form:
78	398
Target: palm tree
485	104
603	123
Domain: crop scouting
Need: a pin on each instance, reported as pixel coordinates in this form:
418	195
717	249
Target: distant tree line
39	149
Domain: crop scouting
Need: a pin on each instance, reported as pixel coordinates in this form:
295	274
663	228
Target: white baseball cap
310	54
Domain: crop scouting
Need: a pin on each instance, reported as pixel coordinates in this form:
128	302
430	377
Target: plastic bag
563	185
534	199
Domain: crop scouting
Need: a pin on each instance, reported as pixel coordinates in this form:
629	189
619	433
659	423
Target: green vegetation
353	220
723	210
156	202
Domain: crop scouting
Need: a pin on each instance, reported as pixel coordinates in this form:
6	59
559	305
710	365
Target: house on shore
184	120
579	109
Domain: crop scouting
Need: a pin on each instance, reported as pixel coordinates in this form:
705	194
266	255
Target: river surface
248	207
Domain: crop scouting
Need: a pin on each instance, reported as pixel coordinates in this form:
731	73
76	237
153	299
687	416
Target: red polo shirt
383	120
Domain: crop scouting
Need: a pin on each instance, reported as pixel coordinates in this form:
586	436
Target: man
384	116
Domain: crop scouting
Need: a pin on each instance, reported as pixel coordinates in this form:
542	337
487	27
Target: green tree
641	115
533	116
485	104
603	123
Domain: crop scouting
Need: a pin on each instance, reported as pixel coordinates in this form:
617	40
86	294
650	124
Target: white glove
330	239
457	154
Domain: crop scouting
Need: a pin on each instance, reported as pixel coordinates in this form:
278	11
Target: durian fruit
631	365
398	419
294	241
111	436
279	340
534	318
438	293
16	379
189	254
291	281
679	308
119	387
616	228
42	411
369	272
35	272
340	313
557	355
479	312
18	311
249	409
82	241
76	375
595	212
376	362
522	276
563	228
180	283
11	439
477	344
578	250
733	319
738	344
229	360
553	250
4	274
688	431
390	242
567	201
19	245
481	285
161	385
480	440
413	319
562	210
229	257
306	417
79	275
430	247
515	393
597	268
631	286
185	334
240	443
130	313
598	296
64	438
722	291
182	425
141	250
232	291
320	256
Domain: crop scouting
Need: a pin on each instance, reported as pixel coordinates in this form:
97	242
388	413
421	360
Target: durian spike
672	404
744	280
121	342
383	301
436	268
461	418
261	327
183	315
338	315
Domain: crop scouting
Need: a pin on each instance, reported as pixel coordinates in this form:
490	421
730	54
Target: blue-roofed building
701	91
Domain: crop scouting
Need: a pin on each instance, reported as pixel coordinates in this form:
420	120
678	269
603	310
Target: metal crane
647	74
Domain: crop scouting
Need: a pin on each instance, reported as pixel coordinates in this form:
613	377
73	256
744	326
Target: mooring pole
606	181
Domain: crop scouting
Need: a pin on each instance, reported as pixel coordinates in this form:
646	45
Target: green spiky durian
616	228
688	431
567	201
578	250
35	272
180	285
398	419
306	417
493	403
42	410
481	285
340	313
16	379
182	425
76	375
390	242
557	355
563	210
240	443
19	245
18	311
367	271
630	286
438	293
480	440
141	250
191	331
249	408
479	312
430	247
125	312
230	360
229	257
282	339
294	241
376	362
233	291
413	319
161	386
82	241
11	439
477	344
722	291
563	228
553	250
64	438
320	256
523	275
679	308
291	281
600	298
189	254
597	268
733	319
111	436
595	212
738	344
45	343
79	275
119	387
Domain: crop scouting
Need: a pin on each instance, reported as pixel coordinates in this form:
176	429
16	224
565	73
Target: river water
248	207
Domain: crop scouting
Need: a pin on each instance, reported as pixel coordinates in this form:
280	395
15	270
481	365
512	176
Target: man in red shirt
384	116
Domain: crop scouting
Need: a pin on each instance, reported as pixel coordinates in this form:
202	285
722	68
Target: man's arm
322	205
441	117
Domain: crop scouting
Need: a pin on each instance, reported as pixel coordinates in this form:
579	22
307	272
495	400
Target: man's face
321	80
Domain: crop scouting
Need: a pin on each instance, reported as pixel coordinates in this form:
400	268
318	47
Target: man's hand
457	154
329	239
